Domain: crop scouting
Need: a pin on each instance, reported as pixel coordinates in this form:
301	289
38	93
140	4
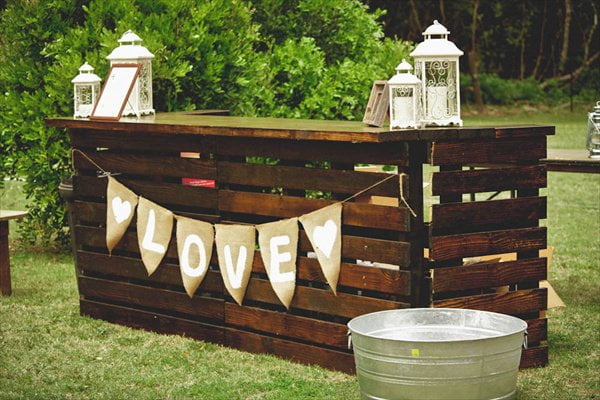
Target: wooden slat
356	214
534	357
287	325
487	180
143	296
140	141
375	250
486	215
571	160
513	302
146	165
385	280
151	321
473	152
523	131
294	150
85	213
158	192
484	243
360	277
294	177
321	300
537	330
281	128
351	275
132	268
299	352
488	275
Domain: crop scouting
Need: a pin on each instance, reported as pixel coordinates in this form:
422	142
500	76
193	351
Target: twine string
104	172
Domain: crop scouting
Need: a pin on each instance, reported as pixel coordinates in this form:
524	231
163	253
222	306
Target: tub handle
525	340
349	334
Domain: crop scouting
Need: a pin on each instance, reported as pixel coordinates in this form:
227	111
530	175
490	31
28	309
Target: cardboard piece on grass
194	247
235	251
120	208
278	243
154	229
324	230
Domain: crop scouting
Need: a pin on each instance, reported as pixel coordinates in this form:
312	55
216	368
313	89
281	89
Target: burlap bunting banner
154	228
323	228
235	251
235	243
120	207
194	247
278	243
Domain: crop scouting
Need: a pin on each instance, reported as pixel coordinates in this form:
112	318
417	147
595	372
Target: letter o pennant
194	248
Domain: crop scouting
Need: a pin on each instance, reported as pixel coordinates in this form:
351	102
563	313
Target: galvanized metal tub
437	353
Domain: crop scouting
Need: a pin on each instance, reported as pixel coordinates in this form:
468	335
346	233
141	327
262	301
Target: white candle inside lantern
85	109
403	108
437	101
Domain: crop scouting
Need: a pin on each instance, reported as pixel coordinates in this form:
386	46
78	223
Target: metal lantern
130	51
86	87
404	98
593	132
436	64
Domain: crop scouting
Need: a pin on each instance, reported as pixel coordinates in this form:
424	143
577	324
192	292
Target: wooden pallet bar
266	169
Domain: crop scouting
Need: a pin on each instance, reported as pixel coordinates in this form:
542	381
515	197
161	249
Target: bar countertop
295	129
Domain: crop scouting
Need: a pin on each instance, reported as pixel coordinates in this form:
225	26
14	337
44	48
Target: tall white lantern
404	98
130	51
436	64
86	87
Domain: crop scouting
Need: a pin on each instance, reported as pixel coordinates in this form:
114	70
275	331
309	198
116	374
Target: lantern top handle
436	29
129	37
86	68
403	66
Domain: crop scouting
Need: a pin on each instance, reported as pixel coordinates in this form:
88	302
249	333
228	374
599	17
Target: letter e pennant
278	248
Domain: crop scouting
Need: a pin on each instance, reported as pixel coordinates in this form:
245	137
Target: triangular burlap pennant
120	208
278	248
324	230
154	228
235	251
194	246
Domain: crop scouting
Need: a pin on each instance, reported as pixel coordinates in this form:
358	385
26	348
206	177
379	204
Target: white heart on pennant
121	209
324	237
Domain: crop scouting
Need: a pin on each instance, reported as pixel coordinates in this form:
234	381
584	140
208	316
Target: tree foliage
297	58
548	41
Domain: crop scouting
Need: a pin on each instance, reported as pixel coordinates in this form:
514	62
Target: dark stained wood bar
390	259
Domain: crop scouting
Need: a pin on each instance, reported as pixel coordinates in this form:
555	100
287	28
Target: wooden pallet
463	232
146	154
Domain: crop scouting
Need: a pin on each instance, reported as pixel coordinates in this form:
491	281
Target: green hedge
293	58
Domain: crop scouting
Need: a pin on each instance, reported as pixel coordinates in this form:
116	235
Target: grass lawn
47	351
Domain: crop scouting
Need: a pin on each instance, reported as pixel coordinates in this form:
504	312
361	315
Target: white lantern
86	87
404	98
436	64
130	51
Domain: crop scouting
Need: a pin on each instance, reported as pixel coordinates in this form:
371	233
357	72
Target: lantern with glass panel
436	65
130	51
86	87
404	98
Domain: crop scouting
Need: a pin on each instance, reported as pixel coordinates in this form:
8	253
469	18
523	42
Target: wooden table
5	216
571	160
315	156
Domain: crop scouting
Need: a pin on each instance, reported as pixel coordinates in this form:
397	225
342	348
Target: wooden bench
571	160
5	216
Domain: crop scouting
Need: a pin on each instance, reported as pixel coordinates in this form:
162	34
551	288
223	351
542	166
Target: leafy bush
296	58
